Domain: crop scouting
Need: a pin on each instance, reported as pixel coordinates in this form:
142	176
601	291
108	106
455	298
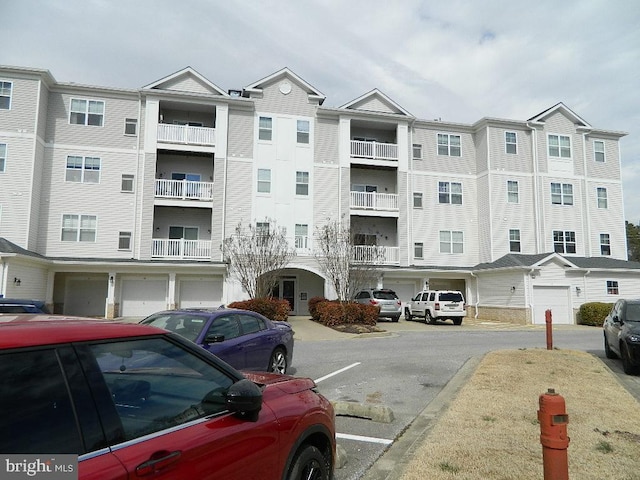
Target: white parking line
337	372
360	438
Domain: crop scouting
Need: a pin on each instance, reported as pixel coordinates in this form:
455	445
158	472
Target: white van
435	305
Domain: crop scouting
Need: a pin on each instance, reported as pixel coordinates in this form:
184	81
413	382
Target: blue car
245	340
19	305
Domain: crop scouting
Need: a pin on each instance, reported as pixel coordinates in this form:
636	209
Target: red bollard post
548	320
553	420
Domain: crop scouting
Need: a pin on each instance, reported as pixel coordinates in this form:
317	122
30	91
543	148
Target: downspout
489	184
3	278
409	197
585	195
534	157
529	293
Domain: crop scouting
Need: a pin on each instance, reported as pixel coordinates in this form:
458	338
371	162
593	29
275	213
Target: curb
392	463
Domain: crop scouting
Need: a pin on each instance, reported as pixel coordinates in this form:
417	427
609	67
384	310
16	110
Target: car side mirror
616	319
244	398
214	338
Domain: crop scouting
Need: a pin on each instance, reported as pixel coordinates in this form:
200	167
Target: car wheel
627	366
309	464
428	318
395	319
457	321
607	349
278	362
407	315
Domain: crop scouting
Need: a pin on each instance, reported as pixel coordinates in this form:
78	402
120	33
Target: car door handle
158	461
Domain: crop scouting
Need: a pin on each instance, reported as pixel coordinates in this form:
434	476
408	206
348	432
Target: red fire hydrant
553	420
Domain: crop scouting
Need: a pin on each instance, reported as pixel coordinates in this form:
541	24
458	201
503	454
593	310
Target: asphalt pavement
390	465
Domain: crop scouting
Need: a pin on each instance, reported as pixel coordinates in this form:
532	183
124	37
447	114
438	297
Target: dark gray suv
387	300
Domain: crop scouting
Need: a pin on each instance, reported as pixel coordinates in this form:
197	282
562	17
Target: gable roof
513	260
313	92
11	249
566	111
370	98
188	72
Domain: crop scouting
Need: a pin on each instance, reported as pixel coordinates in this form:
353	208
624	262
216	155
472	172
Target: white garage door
85	297
405	291
555	299
200	293
142	297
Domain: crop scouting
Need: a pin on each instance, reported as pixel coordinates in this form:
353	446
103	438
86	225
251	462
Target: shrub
593	313
334	313
272	308
312	304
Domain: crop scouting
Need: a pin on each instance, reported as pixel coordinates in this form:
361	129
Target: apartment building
115	202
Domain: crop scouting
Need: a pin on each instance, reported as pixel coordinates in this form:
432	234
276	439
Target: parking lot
398	373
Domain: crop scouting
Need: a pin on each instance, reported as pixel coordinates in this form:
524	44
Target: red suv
137	401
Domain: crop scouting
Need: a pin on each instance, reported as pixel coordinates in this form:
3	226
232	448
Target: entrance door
286	290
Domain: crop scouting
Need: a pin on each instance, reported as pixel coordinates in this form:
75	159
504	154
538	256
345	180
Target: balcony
186	135
184	190
181	249
374	201
376	255
374	150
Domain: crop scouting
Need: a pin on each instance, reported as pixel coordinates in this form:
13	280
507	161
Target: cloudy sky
455	60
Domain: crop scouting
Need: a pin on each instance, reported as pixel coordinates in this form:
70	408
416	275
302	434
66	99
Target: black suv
622	334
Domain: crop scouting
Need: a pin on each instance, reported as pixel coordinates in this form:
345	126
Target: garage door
404	290
200	293
555	299
85	297
142	297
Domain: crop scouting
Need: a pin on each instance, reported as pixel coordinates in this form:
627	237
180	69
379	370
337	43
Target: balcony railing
375	254
186	134
374	150
181	248
374	200
184	189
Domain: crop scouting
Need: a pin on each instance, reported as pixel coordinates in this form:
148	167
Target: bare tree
342	262
256	255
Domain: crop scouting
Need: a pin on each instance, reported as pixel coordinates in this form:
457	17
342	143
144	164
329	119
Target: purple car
245	340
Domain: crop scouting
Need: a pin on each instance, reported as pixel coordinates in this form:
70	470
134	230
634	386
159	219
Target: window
127	183
83	169
449	145
42	417
264	180
262	229
513	193
265	129
612	287
605	244
86	112
564	242
79	228
302	235
602	197
124	241
5	95
561	194
303	131
450	192
417	200
514	241
451	242
187	233
3	157
130	126
559	146
511	142
417	151
302	183
418	250
201	386
598	150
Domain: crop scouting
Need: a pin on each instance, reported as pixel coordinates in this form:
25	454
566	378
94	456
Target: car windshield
633	312
384	295
451	297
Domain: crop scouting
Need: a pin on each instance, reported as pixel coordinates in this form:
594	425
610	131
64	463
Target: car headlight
634	338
